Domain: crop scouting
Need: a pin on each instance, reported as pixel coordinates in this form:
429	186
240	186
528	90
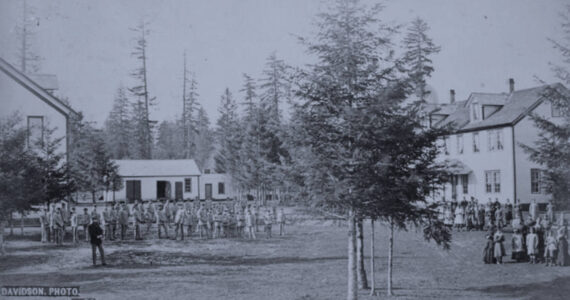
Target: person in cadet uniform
250	224
162	221
66	219
43	224
106	222
268	220
218	218
240	222
58	225
74	223
179	222
115	213
281	218
150	215
96	234
85	220
124	220
188	218
202	220
139	221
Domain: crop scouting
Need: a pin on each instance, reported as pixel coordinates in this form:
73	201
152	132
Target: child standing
550	249
517	246
532	245
499	250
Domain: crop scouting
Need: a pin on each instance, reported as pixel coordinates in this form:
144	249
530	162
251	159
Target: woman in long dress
459	219
488	252
562	255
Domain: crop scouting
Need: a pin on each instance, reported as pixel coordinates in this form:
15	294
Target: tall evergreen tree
142	127
227	135
169	142
419	47
204	138
118	126
189	108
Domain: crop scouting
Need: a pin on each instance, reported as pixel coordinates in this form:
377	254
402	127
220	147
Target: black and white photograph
284	149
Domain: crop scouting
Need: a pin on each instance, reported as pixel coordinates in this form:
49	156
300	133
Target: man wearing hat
96	235
124	220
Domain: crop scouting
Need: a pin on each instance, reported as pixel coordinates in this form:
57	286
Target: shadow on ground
558	288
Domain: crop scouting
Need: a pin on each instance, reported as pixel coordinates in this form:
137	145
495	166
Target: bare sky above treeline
87	44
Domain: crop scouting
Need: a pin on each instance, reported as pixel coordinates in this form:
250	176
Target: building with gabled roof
485	146
36	104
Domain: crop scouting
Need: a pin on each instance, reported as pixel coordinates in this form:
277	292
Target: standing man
96	234
281	221
268	222
124	220
162	221
85	218
43	224
179	222
73	221
58	225
107	222
249	224
114	220
139	221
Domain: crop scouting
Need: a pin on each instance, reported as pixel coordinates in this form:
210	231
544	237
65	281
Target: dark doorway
178	190
163	189
208	191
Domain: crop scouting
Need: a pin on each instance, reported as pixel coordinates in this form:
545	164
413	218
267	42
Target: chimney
451	96
511	85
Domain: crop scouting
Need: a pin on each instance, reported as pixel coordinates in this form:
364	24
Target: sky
88	44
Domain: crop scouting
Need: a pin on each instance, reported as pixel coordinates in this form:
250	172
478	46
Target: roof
35	88
514	107
46	81
157	167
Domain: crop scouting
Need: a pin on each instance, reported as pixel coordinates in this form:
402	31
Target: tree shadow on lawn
134	259
558	288
8	262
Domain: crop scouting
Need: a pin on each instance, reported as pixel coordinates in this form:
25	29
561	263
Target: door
208	191
178	190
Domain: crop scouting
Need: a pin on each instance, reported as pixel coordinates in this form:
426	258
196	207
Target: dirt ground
308	263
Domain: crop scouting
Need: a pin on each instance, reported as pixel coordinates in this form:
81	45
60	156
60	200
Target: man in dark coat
96	236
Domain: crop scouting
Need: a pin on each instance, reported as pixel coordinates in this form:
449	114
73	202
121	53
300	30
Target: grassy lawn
308	263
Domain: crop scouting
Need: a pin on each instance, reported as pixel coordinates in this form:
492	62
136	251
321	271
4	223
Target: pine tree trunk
352	289
362	280
390	258
372	283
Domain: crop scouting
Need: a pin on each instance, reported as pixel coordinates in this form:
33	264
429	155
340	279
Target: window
460	144
536	178
35	130
454	187
187	185
475	142
206	171
558	111
446	145
221	188
133	190
493	181
465	183
495	139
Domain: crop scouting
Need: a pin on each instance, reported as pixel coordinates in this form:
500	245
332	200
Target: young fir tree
142	128
552	149
189	108
419	47
169	142
351	95
118	127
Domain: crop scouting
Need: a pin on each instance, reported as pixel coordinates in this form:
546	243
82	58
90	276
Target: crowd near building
484	150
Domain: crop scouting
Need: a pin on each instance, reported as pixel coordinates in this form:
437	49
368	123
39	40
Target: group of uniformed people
184	218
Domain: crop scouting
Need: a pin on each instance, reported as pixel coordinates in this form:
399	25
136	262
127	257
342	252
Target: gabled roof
35	88
157	167
514	107
487	98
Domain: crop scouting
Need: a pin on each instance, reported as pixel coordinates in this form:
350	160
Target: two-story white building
484	150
